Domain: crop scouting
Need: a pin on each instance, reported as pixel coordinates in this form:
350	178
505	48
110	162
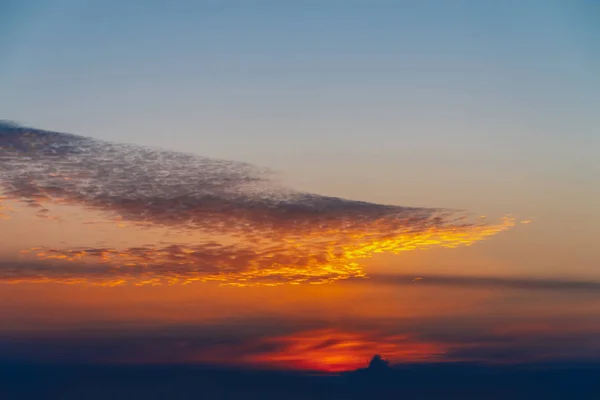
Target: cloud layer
256	231
490	282
317	345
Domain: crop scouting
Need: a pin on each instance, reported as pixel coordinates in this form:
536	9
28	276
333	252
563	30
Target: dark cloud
169	188
313	344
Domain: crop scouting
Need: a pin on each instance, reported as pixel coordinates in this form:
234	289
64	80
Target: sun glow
332	350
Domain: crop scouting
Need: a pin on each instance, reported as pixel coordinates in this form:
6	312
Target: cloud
488	282
267	233
331	350
181	190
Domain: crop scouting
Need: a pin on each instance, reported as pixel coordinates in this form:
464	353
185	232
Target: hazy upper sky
488	106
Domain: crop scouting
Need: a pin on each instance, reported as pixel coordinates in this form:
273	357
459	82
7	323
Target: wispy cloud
489	282
271	234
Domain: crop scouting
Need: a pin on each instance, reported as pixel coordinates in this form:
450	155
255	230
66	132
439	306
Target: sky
291	176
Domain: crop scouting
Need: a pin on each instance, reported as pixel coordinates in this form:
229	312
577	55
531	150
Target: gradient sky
486	106
490	107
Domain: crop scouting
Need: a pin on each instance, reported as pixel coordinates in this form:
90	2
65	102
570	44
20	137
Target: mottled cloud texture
255	230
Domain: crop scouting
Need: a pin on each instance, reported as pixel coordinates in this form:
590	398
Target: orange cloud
299	260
